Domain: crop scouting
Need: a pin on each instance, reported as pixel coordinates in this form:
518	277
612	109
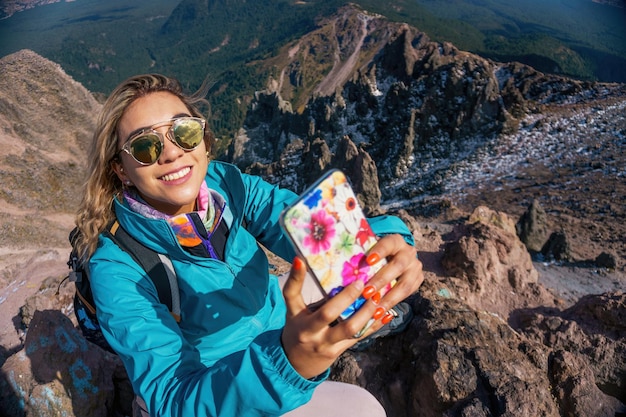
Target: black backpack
158	267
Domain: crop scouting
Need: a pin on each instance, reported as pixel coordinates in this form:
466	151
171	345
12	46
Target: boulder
557	247
606	260
59	373
575	388
490	267
593	331
532	227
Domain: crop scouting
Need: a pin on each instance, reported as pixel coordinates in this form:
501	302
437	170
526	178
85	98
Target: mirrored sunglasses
146	146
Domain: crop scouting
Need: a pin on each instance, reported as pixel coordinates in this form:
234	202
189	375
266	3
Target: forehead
149	110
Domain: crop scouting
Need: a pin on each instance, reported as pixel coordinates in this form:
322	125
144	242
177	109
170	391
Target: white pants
337	399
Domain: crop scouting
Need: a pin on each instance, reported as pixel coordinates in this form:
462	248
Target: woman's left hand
309	340
402	265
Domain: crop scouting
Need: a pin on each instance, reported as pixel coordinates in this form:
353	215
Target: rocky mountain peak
47	120
31	90
412	104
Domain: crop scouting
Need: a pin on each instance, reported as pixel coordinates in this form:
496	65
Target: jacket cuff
270	345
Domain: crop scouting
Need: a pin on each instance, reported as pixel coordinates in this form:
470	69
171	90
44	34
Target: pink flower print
321	232
355	268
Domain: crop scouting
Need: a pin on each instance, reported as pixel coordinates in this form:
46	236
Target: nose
171	151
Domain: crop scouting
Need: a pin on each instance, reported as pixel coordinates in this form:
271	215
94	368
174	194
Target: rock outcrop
398	96
532	227
59	372
490	345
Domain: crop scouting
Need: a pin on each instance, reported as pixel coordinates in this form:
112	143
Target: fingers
292	290
333	308
402	265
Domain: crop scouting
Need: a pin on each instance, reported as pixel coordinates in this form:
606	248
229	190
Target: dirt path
570	283
341	71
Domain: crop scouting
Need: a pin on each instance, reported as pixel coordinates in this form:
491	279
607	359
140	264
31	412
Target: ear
119	171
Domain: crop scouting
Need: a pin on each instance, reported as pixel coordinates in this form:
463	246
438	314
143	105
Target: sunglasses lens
146	149
188	132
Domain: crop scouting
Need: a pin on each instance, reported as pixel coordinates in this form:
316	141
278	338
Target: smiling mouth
176	175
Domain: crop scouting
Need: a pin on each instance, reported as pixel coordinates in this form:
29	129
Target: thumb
292	291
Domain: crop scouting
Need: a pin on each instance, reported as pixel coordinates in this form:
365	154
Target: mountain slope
46	123
101	43
47	120
551	35
434	121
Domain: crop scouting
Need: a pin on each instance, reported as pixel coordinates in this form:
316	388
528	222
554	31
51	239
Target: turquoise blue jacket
225	357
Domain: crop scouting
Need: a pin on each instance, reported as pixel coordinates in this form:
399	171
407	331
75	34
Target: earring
128	183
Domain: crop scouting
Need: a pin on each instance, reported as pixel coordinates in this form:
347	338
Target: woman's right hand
309	340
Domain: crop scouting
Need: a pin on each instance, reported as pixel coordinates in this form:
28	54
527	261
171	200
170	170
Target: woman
241	347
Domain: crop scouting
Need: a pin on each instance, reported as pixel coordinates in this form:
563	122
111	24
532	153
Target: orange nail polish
297	263
378	313
372	259
376	298
368	291
388	317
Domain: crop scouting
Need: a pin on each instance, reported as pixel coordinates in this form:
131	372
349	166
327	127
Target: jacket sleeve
387	225
263	207
263	203
266	202
167	371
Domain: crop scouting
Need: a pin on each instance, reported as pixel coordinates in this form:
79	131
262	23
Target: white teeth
176	175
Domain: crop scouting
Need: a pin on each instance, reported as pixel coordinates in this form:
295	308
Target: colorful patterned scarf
187	226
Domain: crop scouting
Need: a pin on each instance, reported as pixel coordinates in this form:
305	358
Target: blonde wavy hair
102	186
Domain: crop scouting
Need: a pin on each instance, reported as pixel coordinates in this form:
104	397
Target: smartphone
329	230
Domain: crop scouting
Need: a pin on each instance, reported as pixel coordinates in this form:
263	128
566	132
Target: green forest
101	43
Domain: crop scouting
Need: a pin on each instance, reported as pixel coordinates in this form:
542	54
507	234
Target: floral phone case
329	230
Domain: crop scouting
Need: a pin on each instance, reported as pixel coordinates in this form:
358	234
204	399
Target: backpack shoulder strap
158	266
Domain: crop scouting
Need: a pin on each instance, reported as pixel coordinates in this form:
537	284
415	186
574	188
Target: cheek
202	151
203	162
